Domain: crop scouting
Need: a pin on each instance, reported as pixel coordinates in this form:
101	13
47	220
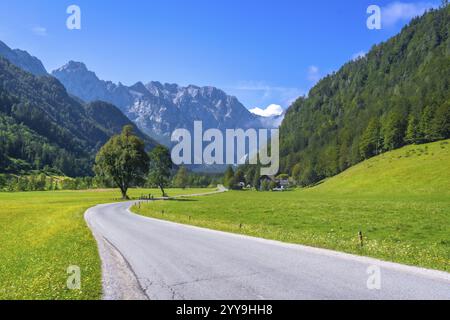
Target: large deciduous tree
160	167
123	160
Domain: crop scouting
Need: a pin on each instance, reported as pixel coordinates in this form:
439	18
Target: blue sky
262	51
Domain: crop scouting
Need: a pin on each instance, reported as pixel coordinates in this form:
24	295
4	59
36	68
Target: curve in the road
144	258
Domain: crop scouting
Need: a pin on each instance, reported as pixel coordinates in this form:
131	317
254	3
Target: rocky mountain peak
139	87
72	66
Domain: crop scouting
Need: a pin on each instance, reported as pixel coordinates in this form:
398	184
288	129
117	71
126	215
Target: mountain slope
23	60
397	94
42	126
112	120
158	109
411	170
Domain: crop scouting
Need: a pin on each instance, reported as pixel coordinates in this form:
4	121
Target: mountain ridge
23	60
160	108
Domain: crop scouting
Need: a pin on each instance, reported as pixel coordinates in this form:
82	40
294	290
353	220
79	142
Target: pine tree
256	180
393	131
441	122
412	132
370	143
181	178
426	127
228	177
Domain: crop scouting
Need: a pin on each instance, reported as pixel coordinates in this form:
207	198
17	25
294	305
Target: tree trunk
124	193
162	190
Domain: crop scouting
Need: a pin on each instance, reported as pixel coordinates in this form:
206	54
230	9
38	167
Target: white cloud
359	55
402	11
39	31
271	111
314	74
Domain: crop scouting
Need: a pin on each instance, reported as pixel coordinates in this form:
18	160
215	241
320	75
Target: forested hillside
42	127
397	94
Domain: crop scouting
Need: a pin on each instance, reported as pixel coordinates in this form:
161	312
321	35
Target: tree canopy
160	168
124	160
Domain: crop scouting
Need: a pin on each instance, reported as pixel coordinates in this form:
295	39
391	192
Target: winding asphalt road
146	258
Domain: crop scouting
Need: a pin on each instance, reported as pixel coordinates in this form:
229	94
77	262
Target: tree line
123	163
43	182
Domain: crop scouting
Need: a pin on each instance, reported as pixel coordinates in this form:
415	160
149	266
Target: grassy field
43	233
399	200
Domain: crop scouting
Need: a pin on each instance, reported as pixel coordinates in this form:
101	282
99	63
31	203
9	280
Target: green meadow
43	233
400	201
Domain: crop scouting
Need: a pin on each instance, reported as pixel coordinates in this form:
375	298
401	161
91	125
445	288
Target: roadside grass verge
412	231
399	200
43	233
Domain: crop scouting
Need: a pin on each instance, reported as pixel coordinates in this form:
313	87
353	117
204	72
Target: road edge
118	279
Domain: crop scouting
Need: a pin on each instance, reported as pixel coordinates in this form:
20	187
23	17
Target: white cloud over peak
271	111
403	11
260	93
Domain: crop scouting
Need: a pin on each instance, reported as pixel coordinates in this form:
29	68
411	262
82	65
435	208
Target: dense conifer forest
397	94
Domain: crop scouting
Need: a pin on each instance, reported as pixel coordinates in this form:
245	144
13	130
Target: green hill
396	95
411	170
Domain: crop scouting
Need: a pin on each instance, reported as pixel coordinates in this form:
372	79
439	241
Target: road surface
145	258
